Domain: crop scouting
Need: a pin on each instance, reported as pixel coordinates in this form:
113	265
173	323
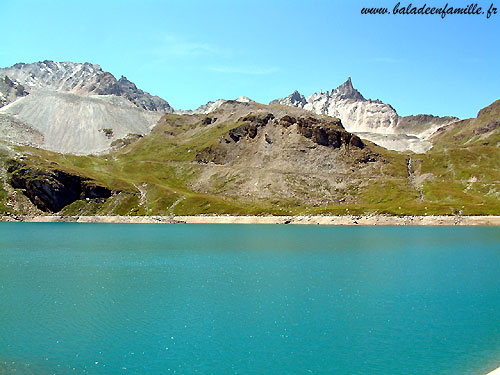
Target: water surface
248	299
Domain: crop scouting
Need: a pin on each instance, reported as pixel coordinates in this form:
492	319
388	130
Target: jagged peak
296	96
347	91
125	82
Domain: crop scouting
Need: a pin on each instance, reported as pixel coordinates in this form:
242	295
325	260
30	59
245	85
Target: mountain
259	155
73	107
82	78
370	119
249	158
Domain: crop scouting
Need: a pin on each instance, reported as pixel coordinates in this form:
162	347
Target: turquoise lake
248	299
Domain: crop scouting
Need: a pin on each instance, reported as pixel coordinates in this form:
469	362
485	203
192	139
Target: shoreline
304	220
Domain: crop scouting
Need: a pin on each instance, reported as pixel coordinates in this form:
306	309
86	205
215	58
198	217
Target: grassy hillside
279	170
483	130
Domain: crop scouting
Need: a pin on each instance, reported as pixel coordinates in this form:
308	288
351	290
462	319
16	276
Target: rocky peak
82	78
126	84
347	91
295	99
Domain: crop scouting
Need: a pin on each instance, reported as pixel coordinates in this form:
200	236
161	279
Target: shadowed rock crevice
52	190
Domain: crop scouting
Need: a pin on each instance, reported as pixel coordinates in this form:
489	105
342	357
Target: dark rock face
52	190
328	133
212	154
250	126
108	85
208	120
287	121
490	126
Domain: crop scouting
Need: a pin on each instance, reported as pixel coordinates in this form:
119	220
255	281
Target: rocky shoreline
311	220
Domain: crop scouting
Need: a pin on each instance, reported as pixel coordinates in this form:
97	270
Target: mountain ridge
82	78
371	119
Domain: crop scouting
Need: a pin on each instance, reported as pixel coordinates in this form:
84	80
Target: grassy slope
154	174
465	160
472	132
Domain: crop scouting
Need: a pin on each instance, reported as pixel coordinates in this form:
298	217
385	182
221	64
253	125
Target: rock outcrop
295	99
10	90
51	190
327	132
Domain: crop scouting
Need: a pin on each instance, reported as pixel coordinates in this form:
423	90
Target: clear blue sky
191	52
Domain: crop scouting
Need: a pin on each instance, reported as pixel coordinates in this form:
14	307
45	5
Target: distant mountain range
67	106
370	119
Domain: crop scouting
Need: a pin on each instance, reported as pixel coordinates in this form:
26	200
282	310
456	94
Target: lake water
248	299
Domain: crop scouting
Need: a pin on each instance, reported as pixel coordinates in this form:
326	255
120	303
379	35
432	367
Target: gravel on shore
222	219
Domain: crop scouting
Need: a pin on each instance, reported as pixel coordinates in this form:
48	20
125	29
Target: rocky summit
370	119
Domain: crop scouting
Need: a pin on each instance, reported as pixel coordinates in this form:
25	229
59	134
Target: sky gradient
195	51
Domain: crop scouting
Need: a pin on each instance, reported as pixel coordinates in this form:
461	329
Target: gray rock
10	91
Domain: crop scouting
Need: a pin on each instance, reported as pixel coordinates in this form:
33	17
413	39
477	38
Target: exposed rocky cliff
52	190
82	78
281	153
